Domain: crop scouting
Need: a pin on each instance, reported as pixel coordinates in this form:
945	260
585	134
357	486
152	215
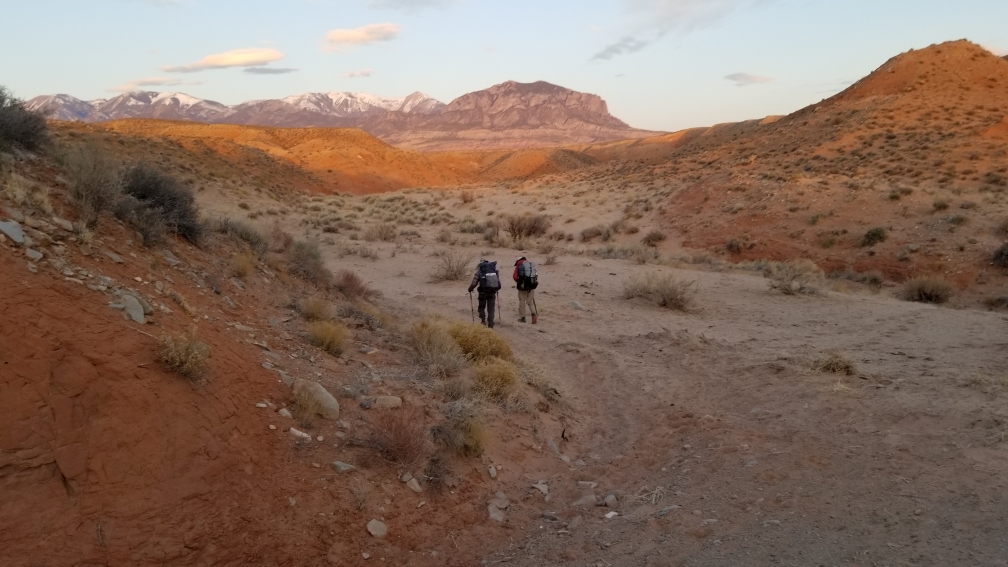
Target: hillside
917	148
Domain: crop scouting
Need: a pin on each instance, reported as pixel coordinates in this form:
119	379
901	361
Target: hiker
528	280
487	280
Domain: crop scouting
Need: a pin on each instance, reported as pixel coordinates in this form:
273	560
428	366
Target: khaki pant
526	297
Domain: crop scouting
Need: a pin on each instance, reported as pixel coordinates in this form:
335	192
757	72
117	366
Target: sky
659	64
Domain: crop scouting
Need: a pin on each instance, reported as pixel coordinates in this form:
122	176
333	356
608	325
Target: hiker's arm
475	282
516	273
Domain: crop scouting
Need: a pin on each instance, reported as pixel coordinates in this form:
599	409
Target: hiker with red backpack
487	280
528	280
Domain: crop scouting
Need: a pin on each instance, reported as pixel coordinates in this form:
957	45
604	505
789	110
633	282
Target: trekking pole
471	308
497	301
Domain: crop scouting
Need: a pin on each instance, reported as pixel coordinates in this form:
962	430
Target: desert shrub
662	289
305	261
653	238
835	363
385	232
873	278
19	126
927	289
463	433
241	232
314	309
435	350
451	267
495	378
457	388
330	337
467	196
479	342
307	408
169	198
1000	257
368	315
874	236
526	226
939	205
146	220
591	233
279	239
95	181
352	286
551	260
793	277
24	192
734	246
1002	229
184	354
242	265
401	436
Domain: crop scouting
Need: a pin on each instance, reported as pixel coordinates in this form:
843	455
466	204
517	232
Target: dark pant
487	302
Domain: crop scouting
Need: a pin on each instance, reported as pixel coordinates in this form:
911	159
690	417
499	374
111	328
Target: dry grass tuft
307	408
479	342
835	363
242	265
401	436
791	278
495	378
435	350
352	286
26	193
467	196
314	309
664	290
95	181
331	337
437	473
452	267
240	231
927	289
385	232
279	239
463	433
185	354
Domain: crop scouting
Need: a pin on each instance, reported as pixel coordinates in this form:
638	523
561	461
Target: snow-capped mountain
309	109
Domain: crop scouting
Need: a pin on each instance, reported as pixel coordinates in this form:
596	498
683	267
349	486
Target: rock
286	378
574	523
33	268
668	509
377	529
86	250
299	435
587	484
366	555
542	487
493	471
406	477
262	405
610	501
148	310
113	256
63	223
14	214
495	513
414	486
329	407
586	500
273	427
342	424
366	404
387	402
12	230
552	445
170	258
33	255
913	247
501	503
292	500
284	412
577	305
342	467
133	309
159	286
611	515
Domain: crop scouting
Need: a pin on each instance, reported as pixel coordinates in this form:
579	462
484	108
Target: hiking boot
535	319
483	322
521	320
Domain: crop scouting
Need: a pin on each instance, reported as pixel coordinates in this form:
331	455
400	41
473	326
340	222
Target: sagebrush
662	289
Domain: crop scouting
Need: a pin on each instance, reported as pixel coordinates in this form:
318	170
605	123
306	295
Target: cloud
358	74
745	79
270	70
139	84
373	33
668	15
624	46
254	57
409	5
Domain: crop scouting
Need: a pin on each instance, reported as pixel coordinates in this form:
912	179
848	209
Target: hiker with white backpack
527	281
487	280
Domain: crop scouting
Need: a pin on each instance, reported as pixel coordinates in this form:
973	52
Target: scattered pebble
495	513
493	471
377	529
284	412
611	515
342	467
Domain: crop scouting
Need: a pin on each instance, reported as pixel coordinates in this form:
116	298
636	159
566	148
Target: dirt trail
724	447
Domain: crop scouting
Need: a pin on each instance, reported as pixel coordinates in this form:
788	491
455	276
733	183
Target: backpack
527	276
489	279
